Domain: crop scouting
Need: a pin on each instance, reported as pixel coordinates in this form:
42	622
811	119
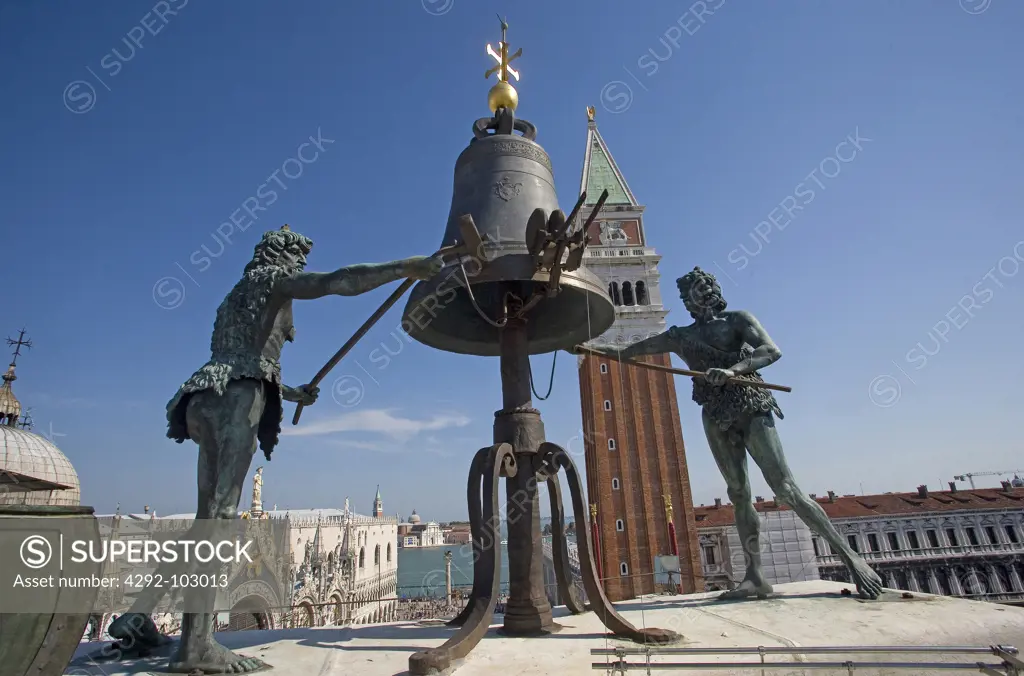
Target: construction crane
970	475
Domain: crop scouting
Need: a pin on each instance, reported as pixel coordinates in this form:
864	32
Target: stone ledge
799	614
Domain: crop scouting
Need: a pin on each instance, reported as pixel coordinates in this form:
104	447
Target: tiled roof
888	504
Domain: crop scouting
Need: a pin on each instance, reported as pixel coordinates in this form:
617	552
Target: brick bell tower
633	438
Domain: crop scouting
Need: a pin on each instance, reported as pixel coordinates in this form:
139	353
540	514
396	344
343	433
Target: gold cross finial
503	69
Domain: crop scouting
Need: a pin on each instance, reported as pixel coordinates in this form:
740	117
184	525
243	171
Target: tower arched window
362	557
615	484
641	294
623	569
613	291
389	552
619	526
627	293
604	368
611	444
376	556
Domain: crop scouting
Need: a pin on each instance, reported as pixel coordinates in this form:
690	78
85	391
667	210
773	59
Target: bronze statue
738	419
235	401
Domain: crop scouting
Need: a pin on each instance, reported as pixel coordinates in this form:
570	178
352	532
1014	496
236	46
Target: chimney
814	496
952	487
758	498
922	491
1006	485
831	496
718	502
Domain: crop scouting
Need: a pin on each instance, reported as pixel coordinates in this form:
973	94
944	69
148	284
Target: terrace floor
799	614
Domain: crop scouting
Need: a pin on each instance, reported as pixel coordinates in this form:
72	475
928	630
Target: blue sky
109	186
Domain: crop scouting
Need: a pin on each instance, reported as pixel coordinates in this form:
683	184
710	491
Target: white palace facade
341	568
346	567
959	542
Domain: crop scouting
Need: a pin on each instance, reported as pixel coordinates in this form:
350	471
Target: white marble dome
29	458
414	518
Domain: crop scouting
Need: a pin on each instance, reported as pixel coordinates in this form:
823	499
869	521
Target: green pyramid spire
600	171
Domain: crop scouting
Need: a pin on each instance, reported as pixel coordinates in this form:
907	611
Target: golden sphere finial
502	95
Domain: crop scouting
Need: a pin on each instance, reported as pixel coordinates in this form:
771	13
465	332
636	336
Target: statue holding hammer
728	349
235	401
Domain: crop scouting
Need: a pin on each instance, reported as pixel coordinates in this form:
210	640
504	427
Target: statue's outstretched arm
659	344
356	279
348	281
766	352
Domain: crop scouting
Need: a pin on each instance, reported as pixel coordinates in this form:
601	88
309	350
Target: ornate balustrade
621	252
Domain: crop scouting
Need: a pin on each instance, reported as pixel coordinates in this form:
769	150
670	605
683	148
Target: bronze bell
501	180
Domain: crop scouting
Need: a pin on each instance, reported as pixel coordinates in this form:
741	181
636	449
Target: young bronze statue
740	419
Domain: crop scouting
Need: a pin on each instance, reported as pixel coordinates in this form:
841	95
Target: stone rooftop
801	614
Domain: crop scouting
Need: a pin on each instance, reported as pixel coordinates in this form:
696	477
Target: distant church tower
378	505
633	438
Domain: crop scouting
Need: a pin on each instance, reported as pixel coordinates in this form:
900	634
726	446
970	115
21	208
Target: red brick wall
649	461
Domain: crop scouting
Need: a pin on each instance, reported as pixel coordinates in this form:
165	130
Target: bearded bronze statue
731	347
235	401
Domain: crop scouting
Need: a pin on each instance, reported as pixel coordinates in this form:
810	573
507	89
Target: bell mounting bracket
503	123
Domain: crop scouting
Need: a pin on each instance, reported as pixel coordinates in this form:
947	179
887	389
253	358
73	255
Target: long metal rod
395	296
807	650
595	211
351	342
581	349
930	666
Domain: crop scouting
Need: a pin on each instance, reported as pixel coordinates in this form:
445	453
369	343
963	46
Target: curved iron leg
598	601
480	582
476	625
559	547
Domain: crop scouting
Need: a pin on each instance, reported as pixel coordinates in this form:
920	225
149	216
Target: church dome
415	518
35	472
32	470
